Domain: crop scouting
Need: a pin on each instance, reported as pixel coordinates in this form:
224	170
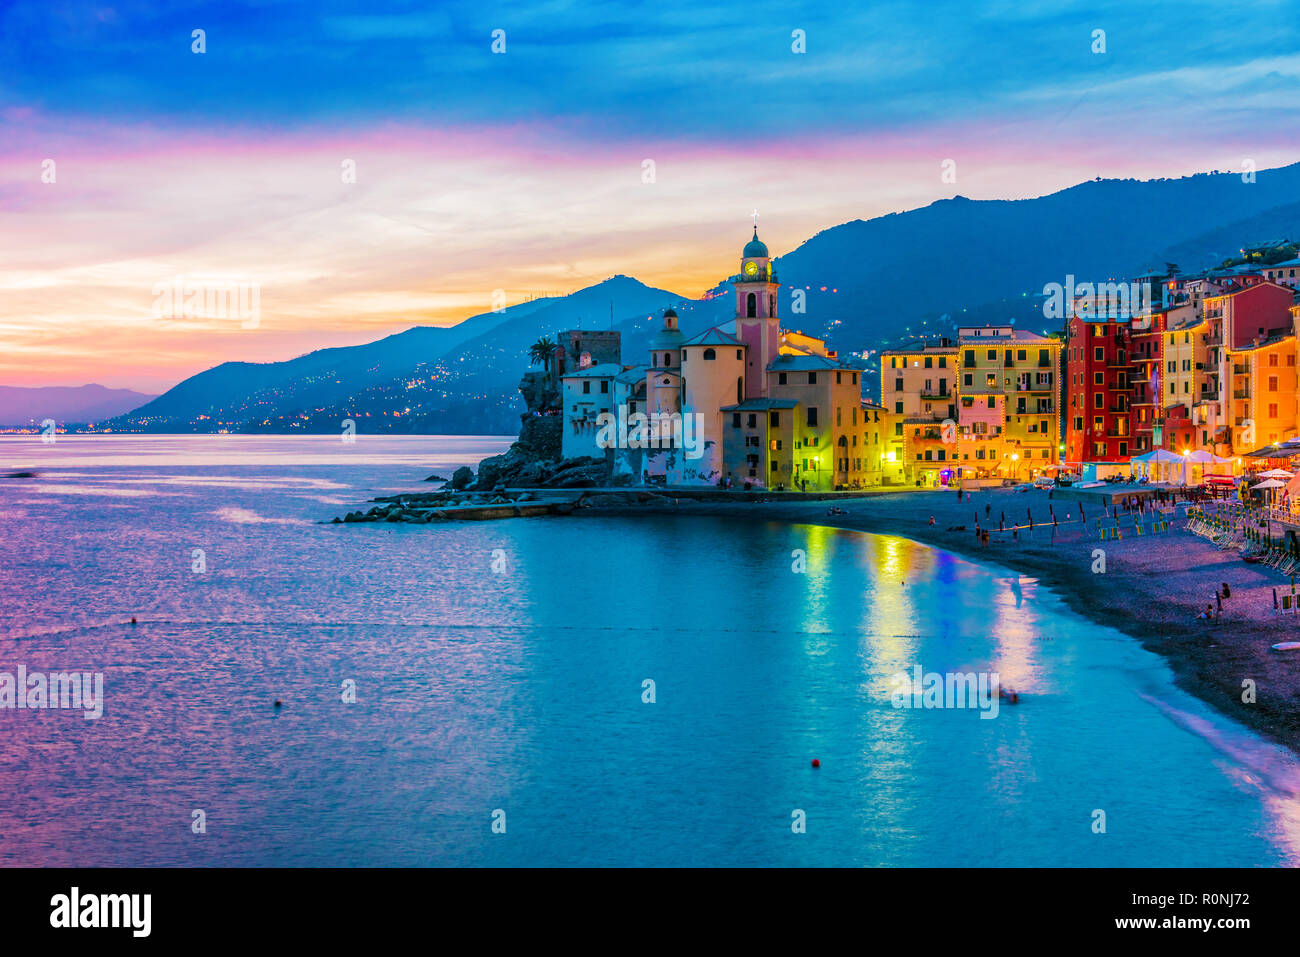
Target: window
1020	355
898	408
1272	411
812	416
1097	378
838	380
1098	354
751	306
774	419
752	421
929	362
586	387
735	420
780	378
967	379
1272	380
812	378
739	354
710	354
604	386
970	357
898	385
1097	400
992	402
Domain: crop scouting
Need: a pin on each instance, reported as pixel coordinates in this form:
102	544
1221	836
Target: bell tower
756	321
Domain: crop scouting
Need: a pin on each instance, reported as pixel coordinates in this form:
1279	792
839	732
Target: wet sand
1152	588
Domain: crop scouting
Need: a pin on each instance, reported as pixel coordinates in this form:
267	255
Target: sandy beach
1152	588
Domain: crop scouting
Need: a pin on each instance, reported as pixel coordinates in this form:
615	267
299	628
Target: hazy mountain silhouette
65	404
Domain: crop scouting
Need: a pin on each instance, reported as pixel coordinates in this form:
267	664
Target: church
776	409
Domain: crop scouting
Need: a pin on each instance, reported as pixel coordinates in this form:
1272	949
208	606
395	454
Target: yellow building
1014	375
828	427
1264	392
918	385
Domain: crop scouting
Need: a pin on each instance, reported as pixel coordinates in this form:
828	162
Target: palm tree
539	353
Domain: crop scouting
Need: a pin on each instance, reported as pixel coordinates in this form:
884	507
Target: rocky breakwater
422	508
534	461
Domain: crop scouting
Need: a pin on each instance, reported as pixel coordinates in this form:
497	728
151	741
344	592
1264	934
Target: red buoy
816	763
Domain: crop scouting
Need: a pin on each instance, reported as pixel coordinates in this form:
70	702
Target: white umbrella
1276	474
1269	483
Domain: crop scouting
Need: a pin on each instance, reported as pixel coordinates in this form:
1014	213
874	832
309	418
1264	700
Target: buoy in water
133	619
816	763
277	702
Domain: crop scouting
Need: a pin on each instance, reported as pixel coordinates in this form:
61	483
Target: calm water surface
521	689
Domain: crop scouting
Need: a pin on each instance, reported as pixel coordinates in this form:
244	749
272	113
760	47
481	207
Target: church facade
766	407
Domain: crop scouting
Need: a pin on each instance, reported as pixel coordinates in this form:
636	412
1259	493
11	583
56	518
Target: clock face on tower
751	268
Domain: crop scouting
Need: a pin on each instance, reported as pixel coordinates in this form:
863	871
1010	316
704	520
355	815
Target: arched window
710	354
751	306
771	305
668	359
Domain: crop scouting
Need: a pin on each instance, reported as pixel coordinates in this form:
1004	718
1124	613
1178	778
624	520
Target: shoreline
1151	590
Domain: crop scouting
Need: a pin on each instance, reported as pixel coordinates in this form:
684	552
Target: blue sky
525	172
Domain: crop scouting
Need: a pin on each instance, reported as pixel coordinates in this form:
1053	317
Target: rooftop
713	337
760	405
601	370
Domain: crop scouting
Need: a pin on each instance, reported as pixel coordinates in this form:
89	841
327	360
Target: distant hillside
65	404
956	254
458	379
868	284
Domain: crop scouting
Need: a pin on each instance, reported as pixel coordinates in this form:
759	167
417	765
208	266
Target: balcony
1241	393
1240	369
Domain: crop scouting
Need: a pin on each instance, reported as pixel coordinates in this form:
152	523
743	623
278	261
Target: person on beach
1207	614
1226	591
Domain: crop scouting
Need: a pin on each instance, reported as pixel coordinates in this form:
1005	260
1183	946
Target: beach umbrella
1276	474
1269	483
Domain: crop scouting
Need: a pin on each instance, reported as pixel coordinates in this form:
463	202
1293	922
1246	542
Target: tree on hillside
539	353
1172	269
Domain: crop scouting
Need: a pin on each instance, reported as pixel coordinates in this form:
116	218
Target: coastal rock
435	478
585	472
610	498
526	462
461	478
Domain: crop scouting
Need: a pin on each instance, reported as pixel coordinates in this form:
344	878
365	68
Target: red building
1099	391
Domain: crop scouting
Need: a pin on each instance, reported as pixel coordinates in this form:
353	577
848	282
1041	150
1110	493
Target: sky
356	169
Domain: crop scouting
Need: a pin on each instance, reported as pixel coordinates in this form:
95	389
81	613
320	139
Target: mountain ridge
867	284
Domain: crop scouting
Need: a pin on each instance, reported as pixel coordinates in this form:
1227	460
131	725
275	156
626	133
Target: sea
650	690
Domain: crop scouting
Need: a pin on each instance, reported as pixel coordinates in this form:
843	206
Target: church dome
667	339
755	248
